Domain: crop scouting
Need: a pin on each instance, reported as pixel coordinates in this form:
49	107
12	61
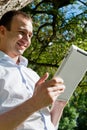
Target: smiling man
24	96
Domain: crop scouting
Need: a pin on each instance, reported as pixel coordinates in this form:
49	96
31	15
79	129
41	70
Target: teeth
20	44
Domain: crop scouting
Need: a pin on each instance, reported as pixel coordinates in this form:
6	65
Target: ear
2	30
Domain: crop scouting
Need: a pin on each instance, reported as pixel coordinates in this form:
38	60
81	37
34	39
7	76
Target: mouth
21	46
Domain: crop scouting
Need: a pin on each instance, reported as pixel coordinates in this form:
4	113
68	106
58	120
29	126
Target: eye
30	35
22	32
25	33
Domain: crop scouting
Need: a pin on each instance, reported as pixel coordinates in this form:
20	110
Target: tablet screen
72	70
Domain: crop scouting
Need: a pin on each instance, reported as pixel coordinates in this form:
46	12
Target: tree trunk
6	5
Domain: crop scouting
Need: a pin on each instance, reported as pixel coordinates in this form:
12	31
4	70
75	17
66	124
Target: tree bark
6	5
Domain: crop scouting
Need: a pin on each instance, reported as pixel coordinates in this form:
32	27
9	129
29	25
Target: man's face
18	39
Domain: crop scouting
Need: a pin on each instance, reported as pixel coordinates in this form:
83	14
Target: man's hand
46	92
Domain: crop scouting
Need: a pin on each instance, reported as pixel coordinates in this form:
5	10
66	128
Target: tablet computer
72	70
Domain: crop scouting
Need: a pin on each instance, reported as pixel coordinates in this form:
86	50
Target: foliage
56	28
68	120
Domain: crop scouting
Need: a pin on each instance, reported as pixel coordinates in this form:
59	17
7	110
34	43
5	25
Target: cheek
29	43
20	36
17	38
14	37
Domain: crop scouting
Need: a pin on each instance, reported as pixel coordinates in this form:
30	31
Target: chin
20	52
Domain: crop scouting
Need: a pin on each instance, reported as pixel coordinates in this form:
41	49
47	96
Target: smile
21	46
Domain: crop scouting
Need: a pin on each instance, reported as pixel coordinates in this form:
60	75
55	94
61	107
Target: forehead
20	21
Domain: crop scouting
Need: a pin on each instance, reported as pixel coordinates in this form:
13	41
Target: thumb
42	79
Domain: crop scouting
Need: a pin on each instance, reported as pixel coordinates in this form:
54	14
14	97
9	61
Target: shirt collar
23	60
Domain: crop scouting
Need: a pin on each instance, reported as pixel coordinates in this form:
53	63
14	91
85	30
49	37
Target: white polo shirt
17	84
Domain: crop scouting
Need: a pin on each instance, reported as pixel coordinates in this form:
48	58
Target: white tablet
72	70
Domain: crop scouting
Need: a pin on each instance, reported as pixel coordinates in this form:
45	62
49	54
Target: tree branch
83	2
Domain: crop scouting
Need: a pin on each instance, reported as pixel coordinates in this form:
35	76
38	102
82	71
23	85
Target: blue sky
74	9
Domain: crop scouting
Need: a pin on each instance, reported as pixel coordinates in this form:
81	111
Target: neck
16	59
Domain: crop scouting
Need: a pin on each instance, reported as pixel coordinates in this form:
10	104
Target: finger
53	82
42	79
59	80
54	95
54	92
59	88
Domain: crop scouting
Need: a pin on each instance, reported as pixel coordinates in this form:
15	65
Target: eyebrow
23	28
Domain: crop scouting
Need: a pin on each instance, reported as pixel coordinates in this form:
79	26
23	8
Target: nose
27	39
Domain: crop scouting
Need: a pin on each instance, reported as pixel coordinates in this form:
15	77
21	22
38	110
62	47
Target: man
24	96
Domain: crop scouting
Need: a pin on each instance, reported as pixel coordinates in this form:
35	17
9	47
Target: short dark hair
6	19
